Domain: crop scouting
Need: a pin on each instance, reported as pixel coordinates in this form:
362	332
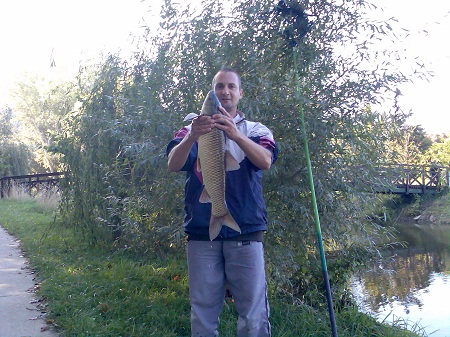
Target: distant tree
14	159
14	156
6	125
40	106
438	153
440	138
409	145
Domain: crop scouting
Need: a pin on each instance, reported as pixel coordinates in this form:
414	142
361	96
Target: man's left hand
225	122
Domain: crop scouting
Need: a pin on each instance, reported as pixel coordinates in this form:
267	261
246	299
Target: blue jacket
243	192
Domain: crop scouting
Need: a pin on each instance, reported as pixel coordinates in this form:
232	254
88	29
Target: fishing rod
300	27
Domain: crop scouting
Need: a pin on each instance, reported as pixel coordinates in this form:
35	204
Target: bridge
413	179
30	183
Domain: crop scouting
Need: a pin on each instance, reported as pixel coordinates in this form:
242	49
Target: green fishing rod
314	203
300	27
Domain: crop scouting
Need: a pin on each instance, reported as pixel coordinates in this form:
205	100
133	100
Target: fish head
211	104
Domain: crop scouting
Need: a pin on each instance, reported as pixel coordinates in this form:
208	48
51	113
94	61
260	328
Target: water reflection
413	284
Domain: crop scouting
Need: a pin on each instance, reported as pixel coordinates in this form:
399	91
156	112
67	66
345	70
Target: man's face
226	86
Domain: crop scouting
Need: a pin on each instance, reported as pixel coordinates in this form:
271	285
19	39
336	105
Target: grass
433	209
438	211
99	291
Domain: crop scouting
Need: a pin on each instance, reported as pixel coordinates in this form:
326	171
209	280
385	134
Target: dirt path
19	312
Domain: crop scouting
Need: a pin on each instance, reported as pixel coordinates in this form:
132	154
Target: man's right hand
179	154
200	126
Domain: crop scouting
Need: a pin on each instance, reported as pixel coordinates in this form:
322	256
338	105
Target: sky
429	29
35	33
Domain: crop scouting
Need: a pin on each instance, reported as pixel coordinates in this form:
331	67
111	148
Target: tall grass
48	199
98	291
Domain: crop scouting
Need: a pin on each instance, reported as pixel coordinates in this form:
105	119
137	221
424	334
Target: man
232	256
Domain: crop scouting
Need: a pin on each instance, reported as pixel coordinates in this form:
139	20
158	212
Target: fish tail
217	223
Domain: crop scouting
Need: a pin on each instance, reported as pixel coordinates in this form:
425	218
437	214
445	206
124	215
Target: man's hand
179	154
200	126
225	123
258	155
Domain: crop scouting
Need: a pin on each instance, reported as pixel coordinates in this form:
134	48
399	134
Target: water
413	285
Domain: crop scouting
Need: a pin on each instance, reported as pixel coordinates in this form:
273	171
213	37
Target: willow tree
115	150
342	84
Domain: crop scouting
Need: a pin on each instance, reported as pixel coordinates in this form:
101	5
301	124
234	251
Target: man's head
227	70
228	88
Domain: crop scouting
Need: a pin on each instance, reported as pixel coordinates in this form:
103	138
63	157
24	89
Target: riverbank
95	290
431	210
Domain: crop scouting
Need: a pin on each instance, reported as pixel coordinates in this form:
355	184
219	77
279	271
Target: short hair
227	70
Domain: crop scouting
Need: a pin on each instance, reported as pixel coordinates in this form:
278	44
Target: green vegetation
14	157
39	111
439	209
108	130
433	210
117	189
439	152
93	290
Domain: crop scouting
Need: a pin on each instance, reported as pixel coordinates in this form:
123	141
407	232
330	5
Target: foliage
113	148
14	159
428	209
438	153
439	211
113	155
14	156
89	290
41	104
6	126
409	146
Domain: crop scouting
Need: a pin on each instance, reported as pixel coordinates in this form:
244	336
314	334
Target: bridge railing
402	178
30	183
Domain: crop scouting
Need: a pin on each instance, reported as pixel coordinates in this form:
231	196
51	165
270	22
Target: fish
213	161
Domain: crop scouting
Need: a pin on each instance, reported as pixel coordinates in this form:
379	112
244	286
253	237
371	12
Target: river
412	287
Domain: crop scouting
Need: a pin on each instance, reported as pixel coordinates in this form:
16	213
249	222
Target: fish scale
212	158
212	152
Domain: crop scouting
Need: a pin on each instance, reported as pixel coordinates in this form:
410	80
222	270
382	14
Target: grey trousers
211	264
